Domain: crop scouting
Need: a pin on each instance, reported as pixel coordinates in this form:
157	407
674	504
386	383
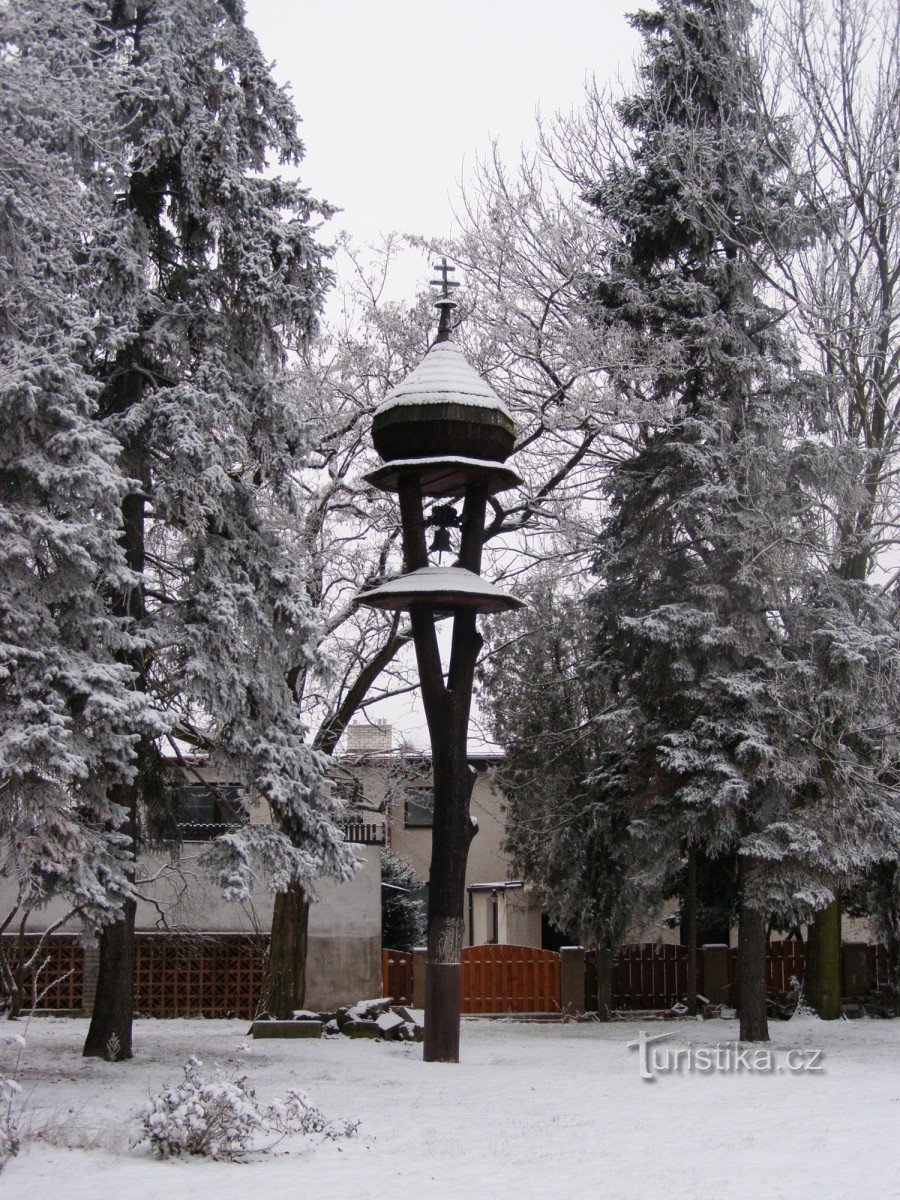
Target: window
203	813
419	806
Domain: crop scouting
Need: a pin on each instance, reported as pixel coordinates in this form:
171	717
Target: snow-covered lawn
532	1111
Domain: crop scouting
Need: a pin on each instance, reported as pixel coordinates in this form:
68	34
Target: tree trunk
823	962
691	931
751	964
109	1034
603	959
285	988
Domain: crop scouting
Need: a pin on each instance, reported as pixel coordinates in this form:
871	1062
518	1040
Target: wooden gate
397	975
500	979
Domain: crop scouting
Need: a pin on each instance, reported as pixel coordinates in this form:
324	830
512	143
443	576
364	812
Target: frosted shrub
214	1117
9	1135
295	1114
221	1118
9	1094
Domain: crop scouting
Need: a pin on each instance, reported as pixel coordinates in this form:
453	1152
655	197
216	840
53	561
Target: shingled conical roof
443	407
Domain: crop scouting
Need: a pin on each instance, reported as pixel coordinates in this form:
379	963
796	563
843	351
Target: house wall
487	861
853	929
523	917
383	781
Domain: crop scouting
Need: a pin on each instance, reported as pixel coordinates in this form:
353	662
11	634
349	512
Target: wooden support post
447	705
571	979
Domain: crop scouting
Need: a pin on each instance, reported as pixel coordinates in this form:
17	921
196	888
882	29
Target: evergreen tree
704	513
402	914
71	712
582	846
207	276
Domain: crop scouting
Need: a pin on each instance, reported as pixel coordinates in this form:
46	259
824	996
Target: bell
441	542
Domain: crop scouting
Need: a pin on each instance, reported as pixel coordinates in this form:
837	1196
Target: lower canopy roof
441	588
447	475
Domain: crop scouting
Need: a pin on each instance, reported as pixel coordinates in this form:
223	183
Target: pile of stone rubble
366	1019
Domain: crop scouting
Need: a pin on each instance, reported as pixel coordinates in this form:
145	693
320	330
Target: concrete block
415	1016
370	1008
389	1024
287	1029
361	1029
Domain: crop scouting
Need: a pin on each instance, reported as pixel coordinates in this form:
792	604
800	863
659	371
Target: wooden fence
57	979
785	961
397	975
220	975
646	975
217	975
499	979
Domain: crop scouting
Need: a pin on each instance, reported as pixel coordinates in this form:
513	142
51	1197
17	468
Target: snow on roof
443	376
446	474
442	583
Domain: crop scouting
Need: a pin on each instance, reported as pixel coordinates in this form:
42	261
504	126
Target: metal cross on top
445	283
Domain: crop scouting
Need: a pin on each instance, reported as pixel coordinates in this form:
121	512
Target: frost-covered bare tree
834	67
345	534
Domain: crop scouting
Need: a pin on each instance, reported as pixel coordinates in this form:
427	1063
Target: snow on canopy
440	584
443	377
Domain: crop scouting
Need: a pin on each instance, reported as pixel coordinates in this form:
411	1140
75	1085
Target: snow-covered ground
532	1111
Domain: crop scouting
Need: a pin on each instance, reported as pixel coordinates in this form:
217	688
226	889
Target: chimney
370	739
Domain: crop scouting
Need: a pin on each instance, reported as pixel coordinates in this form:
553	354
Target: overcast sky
399	97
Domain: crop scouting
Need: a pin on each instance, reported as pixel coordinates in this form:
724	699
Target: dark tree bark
109	1033
691	930
285	988
754	1024
823	963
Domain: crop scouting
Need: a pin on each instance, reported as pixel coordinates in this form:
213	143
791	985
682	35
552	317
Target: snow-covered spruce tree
702	515
584	849
402	914
212	274
71	713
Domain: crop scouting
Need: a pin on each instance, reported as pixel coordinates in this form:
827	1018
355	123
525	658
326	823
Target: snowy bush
221	1118
9	1093
9	1136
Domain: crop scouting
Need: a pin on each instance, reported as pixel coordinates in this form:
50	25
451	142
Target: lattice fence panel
57	978
212	975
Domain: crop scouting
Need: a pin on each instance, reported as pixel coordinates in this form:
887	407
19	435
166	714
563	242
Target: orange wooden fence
498	979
